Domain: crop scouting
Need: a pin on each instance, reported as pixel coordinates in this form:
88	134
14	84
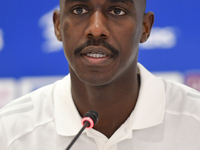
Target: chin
95	80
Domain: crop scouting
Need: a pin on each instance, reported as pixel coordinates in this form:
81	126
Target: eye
79	11
117	11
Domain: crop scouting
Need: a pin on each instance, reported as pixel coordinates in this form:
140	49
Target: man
136	110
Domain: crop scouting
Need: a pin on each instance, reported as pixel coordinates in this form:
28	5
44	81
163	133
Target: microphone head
93	115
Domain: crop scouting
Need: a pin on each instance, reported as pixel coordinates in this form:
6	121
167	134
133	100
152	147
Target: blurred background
31	57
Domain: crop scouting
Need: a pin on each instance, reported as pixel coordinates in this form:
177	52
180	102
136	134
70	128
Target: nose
97	27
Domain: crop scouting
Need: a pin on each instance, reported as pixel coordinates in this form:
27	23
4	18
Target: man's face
100	37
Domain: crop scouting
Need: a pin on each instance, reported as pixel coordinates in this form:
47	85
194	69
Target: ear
148	21
56	21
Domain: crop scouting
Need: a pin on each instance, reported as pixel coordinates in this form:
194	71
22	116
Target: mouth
96	55
95	51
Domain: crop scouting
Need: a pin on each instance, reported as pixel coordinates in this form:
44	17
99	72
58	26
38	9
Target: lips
96	52
96	55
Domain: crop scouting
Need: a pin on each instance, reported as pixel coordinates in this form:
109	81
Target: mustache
99	42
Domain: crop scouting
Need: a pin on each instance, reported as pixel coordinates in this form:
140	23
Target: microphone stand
88	121
86	124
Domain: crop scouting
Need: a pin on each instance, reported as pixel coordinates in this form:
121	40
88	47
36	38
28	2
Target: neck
113	102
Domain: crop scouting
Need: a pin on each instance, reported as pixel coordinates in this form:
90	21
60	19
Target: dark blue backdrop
25	27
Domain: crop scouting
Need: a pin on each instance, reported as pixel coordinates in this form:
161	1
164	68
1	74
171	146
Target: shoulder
28	103
175	91
182	100
26	113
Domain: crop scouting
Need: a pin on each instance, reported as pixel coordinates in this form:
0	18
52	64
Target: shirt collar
148	112
150	107
67	118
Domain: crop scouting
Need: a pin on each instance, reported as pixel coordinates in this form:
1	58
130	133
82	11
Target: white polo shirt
166	117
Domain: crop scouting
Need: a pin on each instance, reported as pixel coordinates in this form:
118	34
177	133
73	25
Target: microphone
88	121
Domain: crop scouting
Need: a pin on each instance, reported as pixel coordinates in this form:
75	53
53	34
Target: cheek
67	39
129	43
128	38
69	36
133	35
72	33
66	34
